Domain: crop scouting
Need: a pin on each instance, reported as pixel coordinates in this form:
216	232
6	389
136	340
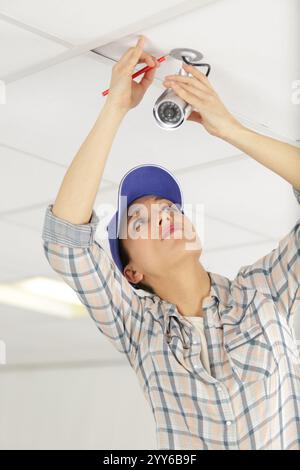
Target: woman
233	382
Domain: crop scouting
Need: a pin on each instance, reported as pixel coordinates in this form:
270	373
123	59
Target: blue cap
141	180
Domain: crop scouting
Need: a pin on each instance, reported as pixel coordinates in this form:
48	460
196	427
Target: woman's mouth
170	229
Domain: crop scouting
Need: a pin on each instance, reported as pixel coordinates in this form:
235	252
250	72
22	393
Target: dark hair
125	258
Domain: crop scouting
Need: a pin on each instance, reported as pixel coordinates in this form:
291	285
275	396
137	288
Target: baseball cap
141	180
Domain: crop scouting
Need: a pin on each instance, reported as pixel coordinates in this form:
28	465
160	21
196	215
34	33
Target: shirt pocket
250	353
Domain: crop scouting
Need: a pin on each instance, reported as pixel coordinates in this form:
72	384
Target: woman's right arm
75	200
70	224
76	197
80	261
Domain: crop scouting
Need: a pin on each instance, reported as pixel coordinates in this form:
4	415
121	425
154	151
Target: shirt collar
220	285
225	292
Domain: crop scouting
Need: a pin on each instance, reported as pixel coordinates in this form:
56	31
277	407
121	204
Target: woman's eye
172	207
138	223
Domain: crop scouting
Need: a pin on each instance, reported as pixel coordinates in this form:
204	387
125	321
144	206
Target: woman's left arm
280	157
277	274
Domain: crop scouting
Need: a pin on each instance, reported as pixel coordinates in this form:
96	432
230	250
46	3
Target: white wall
74	407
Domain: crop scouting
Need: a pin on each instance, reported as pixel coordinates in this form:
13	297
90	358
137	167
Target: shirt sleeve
277	274
84	265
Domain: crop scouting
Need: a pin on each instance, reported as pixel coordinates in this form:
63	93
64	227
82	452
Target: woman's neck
186	288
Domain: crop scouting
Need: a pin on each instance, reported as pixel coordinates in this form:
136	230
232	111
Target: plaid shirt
251	400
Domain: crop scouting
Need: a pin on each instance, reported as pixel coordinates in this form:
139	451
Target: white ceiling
53	96
80	21
27	47
253	48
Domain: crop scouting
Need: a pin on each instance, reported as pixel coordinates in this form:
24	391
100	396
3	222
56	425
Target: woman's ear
131	275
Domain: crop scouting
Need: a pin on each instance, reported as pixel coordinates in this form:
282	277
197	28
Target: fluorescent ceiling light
44	295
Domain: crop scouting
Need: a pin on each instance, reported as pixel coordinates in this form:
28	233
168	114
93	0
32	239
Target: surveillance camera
170	111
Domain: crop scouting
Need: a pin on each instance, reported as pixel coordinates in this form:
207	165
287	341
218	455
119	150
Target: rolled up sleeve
277	274
78	259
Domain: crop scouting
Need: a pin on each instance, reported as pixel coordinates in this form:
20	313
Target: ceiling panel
21	249
56	339
26	180
244	194
29	194
20	49
32	216
253	48
51	113
82	20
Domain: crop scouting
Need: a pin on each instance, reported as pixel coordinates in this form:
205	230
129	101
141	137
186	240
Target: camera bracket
189	56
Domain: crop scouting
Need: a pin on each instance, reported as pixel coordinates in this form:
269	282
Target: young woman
232	382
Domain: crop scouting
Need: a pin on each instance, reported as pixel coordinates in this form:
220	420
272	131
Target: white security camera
170	111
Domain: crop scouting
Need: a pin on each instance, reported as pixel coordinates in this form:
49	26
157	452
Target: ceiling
53	85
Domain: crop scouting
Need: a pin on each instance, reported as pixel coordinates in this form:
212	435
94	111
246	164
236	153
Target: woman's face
157	236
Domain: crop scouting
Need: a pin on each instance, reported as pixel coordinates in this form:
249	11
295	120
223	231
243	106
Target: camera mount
189	56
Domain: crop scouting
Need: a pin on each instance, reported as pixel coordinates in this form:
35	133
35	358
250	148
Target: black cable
197	65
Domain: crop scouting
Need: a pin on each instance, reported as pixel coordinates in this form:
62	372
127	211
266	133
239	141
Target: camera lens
169	112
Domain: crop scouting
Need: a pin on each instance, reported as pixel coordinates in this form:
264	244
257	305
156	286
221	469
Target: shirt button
228	423
195	342
220	389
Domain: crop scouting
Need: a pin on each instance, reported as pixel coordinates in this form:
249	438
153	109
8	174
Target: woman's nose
164	217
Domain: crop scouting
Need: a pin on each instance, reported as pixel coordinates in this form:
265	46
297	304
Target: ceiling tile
82	20
253	48
20	49
21	249
244	194
51	113
55	339
26	181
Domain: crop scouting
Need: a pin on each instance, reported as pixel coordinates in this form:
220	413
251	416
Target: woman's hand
197	91
124	92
